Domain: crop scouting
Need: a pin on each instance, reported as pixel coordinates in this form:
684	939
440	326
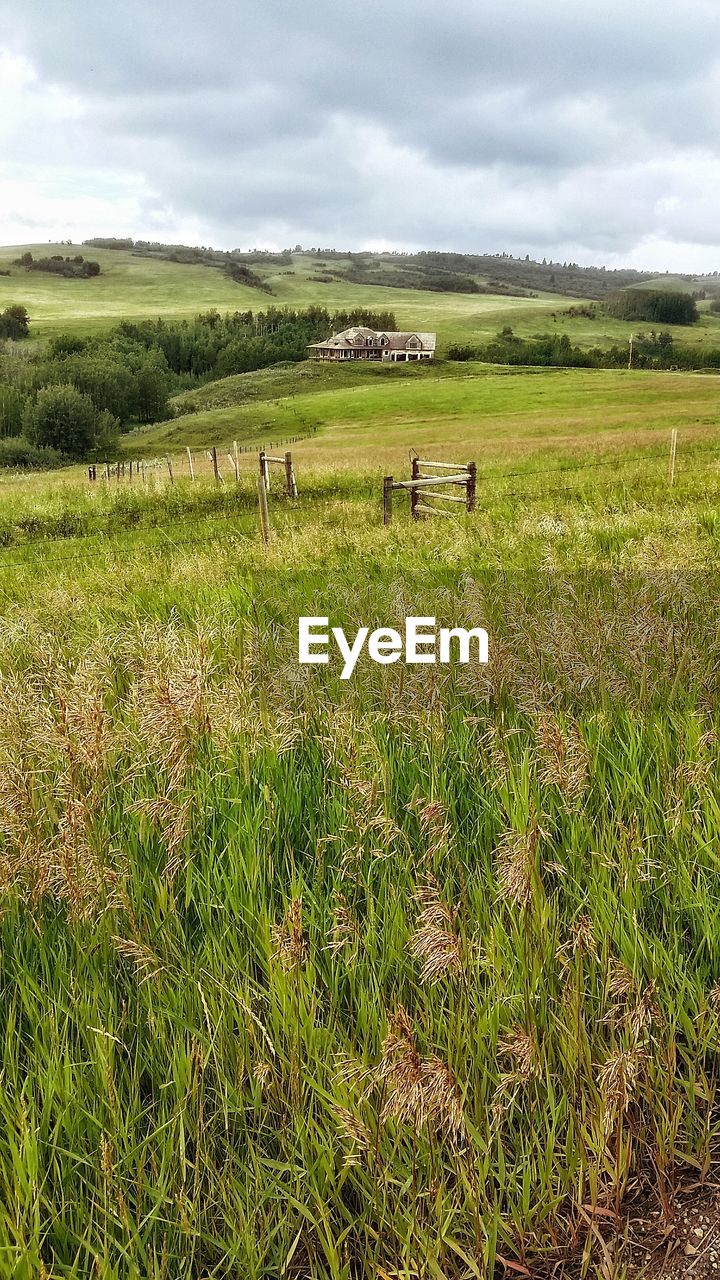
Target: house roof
396	340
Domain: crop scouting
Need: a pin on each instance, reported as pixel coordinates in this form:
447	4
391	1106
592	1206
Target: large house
367	344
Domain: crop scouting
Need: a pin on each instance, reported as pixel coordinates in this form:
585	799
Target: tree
14	322
152	383
64	419
12	404
659	306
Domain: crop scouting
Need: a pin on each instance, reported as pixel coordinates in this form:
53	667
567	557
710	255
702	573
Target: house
366	344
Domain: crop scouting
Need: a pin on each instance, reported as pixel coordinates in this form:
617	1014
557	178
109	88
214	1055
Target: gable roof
396	339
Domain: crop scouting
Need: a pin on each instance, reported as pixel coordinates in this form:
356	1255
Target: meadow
414	976
135	288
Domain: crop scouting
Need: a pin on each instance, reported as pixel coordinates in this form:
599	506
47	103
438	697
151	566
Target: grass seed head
289	941
436	943
515	866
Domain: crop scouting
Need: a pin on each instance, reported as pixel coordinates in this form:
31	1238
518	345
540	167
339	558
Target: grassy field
409	977
133	288
493	415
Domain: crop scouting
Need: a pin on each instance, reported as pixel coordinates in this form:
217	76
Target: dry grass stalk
147	965
172	816
522	1047
345	935
443	1100
400	1072
618	1078
435	828
645	1012
436	942
562	757
622	981
581	942
264	1074
416	1090
289	942
516	865
355	1133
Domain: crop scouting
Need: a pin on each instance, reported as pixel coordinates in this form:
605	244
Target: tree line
76	267
656	306
653	350
76	397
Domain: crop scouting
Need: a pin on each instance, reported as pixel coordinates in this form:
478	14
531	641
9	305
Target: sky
576	131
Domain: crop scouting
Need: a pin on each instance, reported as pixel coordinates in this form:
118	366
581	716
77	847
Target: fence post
235	460
673	451
216	473
387	499
415	475
290	476
263	505
170	470
471	485
264	469
190	463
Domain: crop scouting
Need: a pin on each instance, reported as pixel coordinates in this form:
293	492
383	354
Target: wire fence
21	554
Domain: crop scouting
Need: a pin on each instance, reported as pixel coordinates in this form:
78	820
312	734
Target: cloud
585	131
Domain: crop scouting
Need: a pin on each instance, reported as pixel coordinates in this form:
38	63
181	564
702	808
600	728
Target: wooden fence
265	459
192	465
423	485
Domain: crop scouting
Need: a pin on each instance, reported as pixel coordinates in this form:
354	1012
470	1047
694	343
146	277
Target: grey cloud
543	125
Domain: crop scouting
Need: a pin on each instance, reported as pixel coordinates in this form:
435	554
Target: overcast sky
568	129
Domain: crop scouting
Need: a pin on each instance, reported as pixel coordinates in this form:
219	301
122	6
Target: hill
135	286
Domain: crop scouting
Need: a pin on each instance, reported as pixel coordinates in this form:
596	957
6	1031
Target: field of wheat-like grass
412	975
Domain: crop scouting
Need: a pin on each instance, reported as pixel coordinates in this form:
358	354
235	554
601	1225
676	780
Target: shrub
62	418
17	451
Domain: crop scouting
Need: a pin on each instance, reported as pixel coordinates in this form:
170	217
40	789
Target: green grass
228	881
480	412
133	288
413	975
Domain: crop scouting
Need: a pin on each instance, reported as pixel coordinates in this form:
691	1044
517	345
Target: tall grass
414	975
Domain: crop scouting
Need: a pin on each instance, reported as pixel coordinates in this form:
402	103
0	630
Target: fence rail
422	487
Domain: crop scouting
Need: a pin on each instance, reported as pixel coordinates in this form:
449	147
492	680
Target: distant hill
431	270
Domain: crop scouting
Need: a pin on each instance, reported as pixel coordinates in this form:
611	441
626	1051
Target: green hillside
132	287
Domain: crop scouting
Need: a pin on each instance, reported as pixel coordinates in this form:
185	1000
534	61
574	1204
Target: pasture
134	288
415	975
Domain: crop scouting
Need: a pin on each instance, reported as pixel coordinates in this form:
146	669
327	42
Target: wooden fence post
673	451
232	459
190	463
170	470
216	473
471	485
264	469
235	460
387	499
290	476
263	505
415	475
